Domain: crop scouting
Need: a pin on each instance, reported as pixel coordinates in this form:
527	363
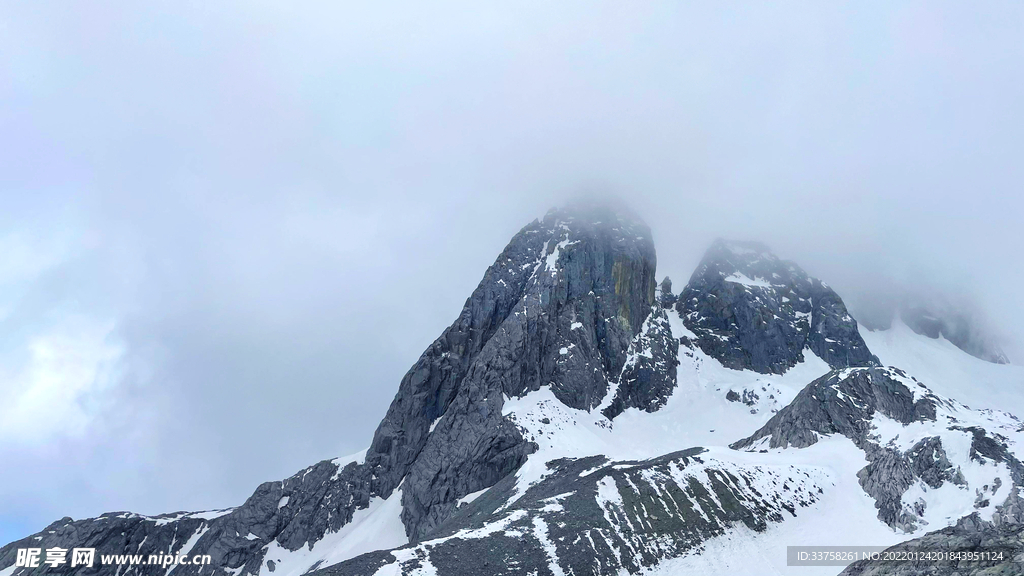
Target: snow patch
189	544
741	278
468	498
376	527
210	514
358	458
540	532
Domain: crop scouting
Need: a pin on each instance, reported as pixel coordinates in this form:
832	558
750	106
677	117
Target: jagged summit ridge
544	430
751	310
560	308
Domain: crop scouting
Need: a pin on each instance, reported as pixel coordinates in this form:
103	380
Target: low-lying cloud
229	230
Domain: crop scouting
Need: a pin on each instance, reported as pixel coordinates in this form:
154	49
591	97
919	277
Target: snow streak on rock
623	516
932	459
550	430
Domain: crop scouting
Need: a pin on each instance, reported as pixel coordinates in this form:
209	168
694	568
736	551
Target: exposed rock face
561	307
748	397
649	374
298	510
592	517
842	402
854	402
665	296
752	311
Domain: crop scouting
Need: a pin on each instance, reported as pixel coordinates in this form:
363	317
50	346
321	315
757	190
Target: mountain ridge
752	310
522	417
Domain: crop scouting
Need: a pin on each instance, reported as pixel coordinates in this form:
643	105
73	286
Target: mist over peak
215	214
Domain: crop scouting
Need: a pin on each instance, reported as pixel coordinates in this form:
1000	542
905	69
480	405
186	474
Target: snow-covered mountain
958	322
578	418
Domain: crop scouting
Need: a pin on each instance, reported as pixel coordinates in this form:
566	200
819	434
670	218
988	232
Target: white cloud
23	258
59	381
263	214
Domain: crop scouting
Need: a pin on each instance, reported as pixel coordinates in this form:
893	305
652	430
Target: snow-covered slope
575	420
949	370
591	516
377	526
636	436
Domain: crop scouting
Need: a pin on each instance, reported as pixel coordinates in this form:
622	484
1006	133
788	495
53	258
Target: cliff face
751	310
560	307
511	445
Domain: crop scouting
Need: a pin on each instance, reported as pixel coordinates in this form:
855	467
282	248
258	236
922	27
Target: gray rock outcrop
842	402
847	401
649	375
561	307
591	517
751	310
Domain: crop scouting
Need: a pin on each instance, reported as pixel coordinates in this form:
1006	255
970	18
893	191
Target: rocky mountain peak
519	433
738	254
559	308
599	213
751	310
749	262
562	307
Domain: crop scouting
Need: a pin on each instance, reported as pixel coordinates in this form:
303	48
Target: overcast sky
229	228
